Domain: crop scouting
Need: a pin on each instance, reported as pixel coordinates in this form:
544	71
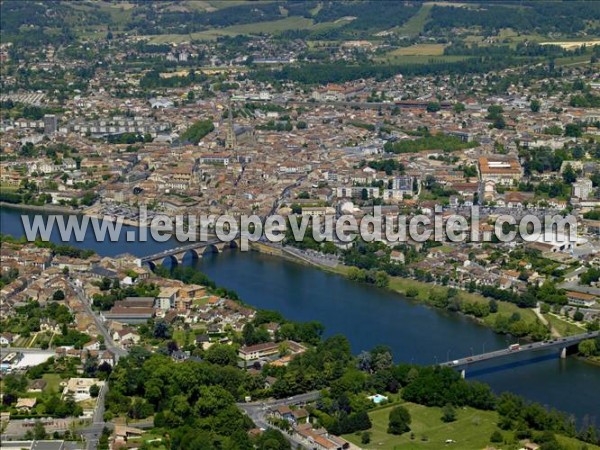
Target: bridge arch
191	255
172	259
210	248
151	265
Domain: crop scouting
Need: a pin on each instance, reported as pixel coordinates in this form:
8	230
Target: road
257	411
92	433
358	104
108	341
6	350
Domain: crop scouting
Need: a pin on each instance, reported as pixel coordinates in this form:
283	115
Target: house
92	345
282	412
8	338
79	388
166	298
573	276
37	386
49	325
106	357
100	272
500	170
25	404
319	438
180	356
202	339
581	299
252	352
129	315
300	415
126	336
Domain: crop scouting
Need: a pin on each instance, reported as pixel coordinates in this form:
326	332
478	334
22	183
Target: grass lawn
401	285
416	23
471	430
562	326
273	26
573	60
419	49
180	336
8	187
391	58
53	382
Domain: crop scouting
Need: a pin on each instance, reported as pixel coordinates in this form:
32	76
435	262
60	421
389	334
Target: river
369	316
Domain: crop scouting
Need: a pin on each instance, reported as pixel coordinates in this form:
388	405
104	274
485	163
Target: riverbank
92	211
425	293
42	208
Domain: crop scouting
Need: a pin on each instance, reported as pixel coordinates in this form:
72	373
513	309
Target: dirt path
540	316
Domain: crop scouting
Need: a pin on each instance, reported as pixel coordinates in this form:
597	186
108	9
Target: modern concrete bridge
560	344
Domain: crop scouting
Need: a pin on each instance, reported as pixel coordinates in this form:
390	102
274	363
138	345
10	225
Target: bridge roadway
178	250
561	343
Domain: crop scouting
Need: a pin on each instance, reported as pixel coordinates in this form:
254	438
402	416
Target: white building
582	188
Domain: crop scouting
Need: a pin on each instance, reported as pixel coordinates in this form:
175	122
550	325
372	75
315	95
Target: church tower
231	138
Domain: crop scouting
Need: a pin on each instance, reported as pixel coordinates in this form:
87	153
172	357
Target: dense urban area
301	109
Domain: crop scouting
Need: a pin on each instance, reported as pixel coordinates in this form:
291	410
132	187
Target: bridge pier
463	373
563	353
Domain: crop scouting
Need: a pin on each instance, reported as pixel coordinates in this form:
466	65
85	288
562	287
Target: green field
273	26
416	23
419	49
391	58
562	326
402	285
471	431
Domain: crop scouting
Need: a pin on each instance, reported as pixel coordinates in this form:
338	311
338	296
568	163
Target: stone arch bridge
195	250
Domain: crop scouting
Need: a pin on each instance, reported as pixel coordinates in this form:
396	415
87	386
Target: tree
272	439
569	175
39	431
573	130
365	438
448	413
499	123
493	304
161	330
433	107
222	354
382	360
382	279
496	437
494	111
578	316
587	347
365	361
94	390
535	105
399	420
459	107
